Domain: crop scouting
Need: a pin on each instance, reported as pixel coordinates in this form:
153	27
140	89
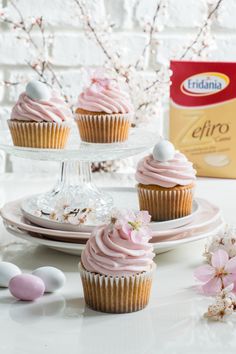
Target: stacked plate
20	220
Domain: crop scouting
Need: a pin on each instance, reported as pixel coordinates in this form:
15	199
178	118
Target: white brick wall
71	49
226	18
58	13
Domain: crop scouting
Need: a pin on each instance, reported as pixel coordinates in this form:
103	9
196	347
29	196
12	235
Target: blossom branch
96	36
201	30
151	33
42	64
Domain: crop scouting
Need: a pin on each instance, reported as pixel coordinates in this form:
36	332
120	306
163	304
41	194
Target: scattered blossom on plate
66	215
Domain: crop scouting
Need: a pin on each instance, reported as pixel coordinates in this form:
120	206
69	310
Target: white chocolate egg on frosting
37	90
163	151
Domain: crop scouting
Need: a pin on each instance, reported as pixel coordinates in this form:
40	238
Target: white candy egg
37	90
163	151
53	278
7	272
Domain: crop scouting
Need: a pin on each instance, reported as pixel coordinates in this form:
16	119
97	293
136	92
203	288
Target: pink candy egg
26	287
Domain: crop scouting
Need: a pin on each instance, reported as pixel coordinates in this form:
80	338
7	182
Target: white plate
11	213
206	215
124	198
159	247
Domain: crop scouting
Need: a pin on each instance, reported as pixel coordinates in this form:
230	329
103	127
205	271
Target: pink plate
207	214
76	248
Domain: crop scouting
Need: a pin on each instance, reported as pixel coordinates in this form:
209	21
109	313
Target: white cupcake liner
166	204
116	294
104	128
46	135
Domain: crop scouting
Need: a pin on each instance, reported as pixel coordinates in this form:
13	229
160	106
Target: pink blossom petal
233	277
219	259
231	265
204	273
212	287
143	217
126	228
130	215
229	288
135	236
234	289
227	280
138	236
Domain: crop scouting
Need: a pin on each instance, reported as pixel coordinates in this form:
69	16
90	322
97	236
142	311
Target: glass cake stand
74	189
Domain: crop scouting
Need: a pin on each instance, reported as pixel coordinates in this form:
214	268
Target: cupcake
104	112
165	183
117	265
40	118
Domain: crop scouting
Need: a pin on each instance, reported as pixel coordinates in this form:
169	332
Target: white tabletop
60	323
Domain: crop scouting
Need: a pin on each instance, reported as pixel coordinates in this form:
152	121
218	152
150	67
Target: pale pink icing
105	95
110	252
53	110
178	171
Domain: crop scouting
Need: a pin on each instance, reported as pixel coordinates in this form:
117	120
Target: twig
39	73
210	15
11	83
151	33
43	65
24	28
156	81
96	37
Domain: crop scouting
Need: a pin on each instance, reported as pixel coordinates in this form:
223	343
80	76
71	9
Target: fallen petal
204	273
231	265
219	258
227	280
212	287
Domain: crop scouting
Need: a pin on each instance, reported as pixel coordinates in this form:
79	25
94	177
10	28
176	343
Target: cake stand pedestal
75	190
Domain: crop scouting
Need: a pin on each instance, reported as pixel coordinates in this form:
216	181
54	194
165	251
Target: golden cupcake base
103	128
116	294
166	203
45	135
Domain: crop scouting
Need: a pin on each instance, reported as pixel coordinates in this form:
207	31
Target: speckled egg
7	272
53	278
37	90
26	287
163	151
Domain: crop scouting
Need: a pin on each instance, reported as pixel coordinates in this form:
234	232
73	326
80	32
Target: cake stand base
74	194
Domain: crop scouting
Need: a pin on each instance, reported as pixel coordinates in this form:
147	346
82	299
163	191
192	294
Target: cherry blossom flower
225	240
77	216
53	216
134	225
220	310
218	275
224	305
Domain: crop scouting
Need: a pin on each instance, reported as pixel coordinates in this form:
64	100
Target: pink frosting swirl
111	252
52	110
105	95
178	171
